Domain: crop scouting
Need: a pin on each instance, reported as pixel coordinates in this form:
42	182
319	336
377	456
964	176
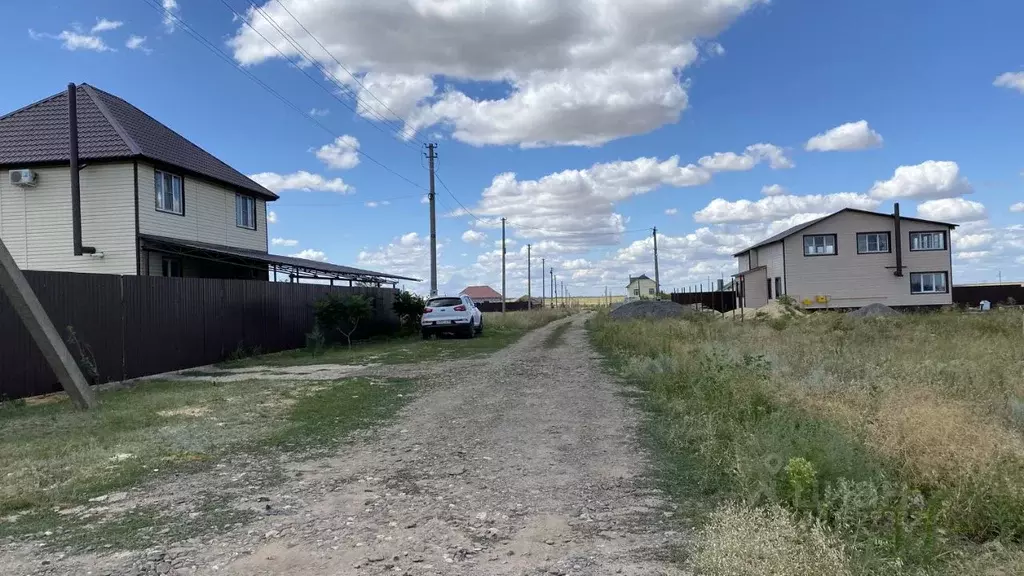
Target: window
171	267
245	211
443	302
778	287
650	291
820	245
636	292
168	193
927	241
872	242
928	283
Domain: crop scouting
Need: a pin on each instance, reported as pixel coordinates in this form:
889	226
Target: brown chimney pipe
76	187
898	244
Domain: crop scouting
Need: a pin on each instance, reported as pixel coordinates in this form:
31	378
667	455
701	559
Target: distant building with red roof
481	294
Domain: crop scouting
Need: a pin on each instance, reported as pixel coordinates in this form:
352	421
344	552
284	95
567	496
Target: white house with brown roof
850	259
152	202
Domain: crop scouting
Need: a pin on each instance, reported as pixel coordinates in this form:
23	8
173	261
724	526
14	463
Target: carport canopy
294	267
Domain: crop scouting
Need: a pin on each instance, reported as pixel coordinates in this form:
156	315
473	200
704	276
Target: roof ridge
128	140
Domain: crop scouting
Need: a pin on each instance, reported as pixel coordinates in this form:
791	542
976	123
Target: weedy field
836	445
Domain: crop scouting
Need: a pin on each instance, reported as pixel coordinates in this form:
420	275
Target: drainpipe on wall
76	188
898	244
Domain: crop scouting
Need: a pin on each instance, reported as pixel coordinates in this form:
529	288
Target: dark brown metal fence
721	301
509	306
121	327
994	293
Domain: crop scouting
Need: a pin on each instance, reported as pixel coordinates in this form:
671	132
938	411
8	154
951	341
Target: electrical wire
228	59
353	76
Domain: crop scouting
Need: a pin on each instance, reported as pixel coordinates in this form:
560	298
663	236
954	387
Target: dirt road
522	463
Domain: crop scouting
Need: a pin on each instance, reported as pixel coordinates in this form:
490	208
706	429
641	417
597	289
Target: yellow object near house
807	301
821	299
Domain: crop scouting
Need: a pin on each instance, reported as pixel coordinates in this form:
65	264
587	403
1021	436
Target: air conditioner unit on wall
23	177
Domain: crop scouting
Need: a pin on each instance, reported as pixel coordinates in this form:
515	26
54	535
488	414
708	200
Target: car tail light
460	308
428	310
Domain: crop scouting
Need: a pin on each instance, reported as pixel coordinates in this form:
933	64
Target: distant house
481	294
850	259
152	202
641	287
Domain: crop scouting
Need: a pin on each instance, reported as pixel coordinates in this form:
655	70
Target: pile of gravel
873	311
650	309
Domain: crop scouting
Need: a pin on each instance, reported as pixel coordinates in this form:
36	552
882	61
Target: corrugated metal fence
720	301
130	326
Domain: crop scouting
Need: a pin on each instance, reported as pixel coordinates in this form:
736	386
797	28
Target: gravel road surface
525	462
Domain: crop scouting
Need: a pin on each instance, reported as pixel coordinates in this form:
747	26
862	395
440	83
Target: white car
451	314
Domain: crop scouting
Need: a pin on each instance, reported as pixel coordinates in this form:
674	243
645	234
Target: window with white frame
872	242
927	241
820	245
168	193
245	211
928	283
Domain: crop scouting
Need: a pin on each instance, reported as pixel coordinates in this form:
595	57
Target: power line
303	56
224	56
349	72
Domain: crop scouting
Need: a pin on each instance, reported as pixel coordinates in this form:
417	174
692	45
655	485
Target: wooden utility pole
502	265
552	273
25	303
431	155
543	287
657	276
529	278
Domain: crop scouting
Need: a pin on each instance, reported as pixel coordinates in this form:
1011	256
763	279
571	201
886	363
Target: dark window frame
255	222
888	242
803	244
156	195
945	283
164	266
945	240
779	291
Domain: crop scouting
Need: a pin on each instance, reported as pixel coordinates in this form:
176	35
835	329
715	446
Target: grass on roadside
53	456
902	436
500	330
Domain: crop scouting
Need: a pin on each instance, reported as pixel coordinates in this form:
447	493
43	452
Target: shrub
342	314
409	308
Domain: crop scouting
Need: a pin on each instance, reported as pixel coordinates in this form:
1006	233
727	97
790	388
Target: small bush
315	340
409	308
342	314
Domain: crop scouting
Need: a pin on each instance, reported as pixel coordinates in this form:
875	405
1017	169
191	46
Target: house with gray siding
152	202
850	259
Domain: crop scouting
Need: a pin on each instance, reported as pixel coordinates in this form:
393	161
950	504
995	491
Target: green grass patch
917	475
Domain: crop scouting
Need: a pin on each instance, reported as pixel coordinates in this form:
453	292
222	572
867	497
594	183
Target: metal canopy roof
298	267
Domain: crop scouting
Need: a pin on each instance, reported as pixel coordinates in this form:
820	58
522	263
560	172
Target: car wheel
480	326
470	330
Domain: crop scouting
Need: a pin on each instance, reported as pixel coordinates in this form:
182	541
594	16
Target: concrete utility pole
529	279
657	276
552	273
554	289
543	284
502	265
25	303
431	155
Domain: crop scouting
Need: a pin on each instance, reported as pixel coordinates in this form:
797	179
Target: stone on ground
873	311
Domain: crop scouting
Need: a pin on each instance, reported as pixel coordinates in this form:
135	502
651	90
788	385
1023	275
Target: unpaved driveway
523	463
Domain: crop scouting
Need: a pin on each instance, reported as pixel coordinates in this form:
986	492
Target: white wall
209	214
849	279
35	223
772	257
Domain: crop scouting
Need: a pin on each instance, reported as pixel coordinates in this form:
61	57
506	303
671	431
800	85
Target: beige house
641	287
850	259
152	203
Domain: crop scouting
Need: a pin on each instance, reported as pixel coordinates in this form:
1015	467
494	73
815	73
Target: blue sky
591	86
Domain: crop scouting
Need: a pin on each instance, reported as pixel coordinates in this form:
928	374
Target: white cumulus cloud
954	210
671	211
850	136
773	190
311	254
171	7
777	207
572	72
137	43
930	179
74	40
102	25
319	112
752	156
1013	80
1018	207
342	154
473	236
301	180
272	217
284	242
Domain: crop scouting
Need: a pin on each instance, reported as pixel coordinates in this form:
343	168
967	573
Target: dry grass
739	541
922	413
524	320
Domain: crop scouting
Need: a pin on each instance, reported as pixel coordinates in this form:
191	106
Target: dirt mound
873	311
650	309
774	309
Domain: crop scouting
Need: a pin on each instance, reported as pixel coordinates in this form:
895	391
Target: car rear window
443	302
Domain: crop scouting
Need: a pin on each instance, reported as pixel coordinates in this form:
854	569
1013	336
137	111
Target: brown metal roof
480	292
108	128
790	231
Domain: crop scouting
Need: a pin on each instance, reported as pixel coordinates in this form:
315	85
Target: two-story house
850	259
641	287
151	202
